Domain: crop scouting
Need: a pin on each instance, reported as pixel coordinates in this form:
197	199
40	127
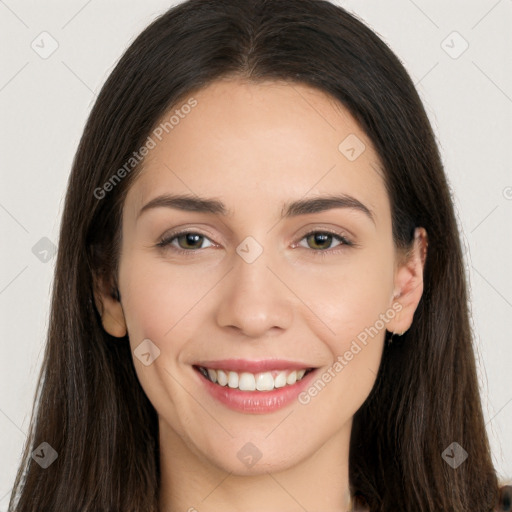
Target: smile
247	381
255	387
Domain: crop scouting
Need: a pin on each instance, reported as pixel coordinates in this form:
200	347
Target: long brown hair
90	407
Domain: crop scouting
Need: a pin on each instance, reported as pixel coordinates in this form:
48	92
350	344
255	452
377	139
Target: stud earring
390	340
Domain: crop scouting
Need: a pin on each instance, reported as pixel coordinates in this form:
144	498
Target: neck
190	482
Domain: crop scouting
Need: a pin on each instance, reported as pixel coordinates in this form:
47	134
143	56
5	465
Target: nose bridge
254	300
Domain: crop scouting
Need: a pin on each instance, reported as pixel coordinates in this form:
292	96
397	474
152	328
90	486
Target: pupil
321	238
191	238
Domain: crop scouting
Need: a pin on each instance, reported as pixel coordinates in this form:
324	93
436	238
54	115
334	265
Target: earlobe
409	284
110	309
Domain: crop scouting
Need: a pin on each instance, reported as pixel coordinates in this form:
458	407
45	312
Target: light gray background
44	104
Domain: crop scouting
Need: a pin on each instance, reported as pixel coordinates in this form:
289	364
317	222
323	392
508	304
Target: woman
268	369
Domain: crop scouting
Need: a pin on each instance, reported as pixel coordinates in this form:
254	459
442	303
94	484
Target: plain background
44	103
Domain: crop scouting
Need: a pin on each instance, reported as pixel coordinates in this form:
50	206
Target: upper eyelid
339	235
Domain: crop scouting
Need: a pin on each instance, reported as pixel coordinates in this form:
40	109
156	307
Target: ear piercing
390	340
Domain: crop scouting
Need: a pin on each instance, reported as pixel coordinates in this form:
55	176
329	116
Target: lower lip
256	402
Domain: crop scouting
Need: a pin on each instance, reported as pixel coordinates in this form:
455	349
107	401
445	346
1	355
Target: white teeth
245	381
212	374
292	378
222	378
280	380
264	382
233	379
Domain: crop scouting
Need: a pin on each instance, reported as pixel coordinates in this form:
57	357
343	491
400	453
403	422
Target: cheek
159	296
345	294
157	301
353	303
350	295
355	307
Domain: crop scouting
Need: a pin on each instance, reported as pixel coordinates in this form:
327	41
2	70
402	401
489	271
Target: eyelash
165	242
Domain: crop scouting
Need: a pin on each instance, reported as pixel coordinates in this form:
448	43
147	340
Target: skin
256	147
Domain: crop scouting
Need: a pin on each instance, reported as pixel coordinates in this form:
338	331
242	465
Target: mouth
248	381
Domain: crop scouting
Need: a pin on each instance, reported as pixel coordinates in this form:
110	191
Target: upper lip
246	365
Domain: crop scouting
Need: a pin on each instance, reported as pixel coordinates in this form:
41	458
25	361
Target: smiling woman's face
262	281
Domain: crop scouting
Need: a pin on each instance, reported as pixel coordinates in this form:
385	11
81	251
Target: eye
184	239
191	241
323	240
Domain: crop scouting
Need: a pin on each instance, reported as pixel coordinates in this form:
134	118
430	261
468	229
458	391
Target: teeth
222	378
292	378
246	381
264	382
280	380
233	379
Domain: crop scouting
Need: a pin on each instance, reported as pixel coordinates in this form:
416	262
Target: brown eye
321	240
186	241
190	239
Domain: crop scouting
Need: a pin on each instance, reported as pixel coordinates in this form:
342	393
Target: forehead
271	142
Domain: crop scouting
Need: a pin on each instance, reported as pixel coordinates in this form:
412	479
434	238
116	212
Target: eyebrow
318	204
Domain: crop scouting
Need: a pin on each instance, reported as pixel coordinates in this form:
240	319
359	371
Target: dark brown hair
90	406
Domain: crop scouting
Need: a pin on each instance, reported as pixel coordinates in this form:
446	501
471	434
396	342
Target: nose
254	299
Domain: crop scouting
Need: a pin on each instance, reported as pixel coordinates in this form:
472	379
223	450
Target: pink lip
256	402
244	365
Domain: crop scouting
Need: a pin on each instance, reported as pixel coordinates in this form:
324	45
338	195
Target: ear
408	283
108	304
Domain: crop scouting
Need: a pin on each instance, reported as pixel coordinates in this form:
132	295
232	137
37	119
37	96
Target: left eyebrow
291	209
324	203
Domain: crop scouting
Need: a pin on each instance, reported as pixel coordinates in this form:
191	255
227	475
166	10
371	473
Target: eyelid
345	240
166	239
340	232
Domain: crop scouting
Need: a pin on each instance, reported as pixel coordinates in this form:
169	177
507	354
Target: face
266	291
